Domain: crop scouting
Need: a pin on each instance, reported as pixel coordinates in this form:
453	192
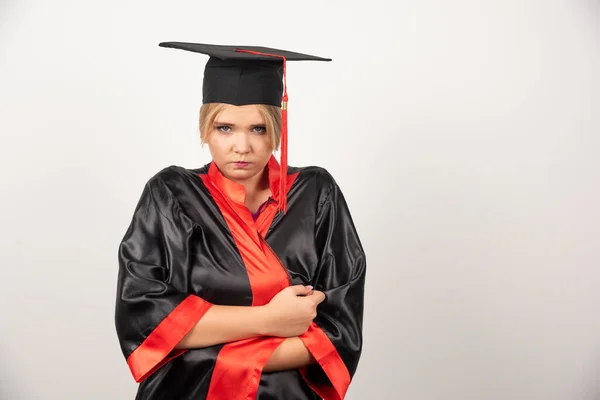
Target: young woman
242	279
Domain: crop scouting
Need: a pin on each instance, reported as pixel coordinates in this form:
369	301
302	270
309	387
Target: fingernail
310	287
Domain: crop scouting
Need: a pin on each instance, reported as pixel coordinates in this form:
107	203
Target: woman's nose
241	143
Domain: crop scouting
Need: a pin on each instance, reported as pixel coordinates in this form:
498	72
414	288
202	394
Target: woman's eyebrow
223	123
232	124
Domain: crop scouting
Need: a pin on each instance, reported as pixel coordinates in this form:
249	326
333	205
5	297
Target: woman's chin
240	174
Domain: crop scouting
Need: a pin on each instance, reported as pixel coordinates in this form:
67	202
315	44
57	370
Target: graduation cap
242	75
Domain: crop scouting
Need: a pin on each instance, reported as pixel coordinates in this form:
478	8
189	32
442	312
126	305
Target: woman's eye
259	129
224	128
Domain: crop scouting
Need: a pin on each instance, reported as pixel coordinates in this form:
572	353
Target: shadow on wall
17	381
593	383
8	392
13	385
7	13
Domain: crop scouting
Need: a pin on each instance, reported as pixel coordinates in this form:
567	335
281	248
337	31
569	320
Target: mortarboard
241	75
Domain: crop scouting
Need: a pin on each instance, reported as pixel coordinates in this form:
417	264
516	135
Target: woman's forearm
291	354
224	324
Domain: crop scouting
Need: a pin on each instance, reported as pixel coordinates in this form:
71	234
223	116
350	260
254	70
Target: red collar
237	192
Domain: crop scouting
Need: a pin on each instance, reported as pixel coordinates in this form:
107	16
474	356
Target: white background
464	134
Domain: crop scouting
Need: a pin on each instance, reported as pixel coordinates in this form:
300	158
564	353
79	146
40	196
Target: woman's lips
241	164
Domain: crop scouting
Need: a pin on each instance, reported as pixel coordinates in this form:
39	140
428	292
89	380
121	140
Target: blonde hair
271	114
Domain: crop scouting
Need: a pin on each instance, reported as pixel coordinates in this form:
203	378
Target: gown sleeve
335	337
153	311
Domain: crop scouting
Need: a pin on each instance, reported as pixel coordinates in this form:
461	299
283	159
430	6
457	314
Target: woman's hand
291	311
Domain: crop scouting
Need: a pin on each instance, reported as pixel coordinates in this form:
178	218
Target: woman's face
239	143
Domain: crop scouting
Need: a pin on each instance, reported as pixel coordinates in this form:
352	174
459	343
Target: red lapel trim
236	375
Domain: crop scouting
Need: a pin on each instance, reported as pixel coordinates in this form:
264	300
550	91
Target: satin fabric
179	257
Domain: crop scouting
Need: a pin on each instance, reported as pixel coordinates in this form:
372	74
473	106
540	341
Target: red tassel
283	167
284	156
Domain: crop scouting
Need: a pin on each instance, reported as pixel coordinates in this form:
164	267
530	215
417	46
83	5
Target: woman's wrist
262	320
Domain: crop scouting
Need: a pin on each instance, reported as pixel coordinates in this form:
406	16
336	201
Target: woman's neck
257	190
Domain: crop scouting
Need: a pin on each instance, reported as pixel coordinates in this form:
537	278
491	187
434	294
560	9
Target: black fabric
231	52
239	78
239	83
178	244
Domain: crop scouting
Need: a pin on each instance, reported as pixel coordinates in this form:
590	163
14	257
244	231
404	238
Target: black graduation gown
192	243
